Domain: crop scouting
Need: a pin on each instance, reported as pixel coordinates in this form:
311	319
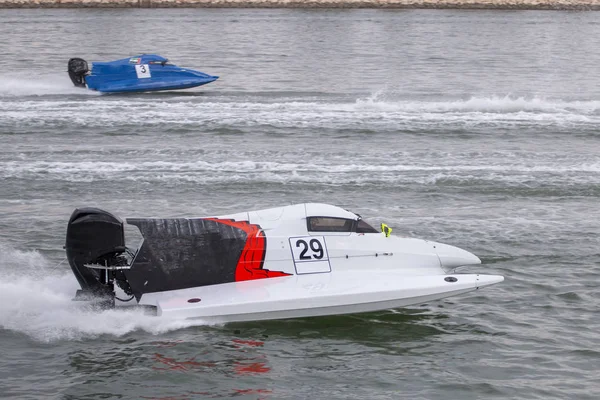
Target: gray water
474	128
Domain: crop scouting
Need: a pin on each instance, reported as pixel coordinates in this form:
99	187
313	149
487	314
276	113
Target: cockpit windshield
163	63
334	224
363	227
329	224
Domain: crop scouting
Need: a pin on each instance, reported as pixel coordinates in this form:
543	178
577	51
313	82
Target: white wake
37	302
38	85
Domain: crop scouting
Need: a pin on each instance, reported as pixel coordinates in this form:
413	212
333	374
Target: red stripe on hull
251	261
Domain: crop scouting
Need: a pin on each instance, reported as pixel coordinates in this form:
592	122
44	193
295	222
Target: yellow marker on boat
386	230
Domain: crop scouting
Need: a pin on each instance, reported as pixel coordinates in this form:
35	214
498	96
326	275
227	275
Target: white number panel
142	71
310	254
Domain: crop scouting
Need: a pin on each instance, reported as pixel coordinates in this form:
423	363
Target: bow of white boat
487	280
452	256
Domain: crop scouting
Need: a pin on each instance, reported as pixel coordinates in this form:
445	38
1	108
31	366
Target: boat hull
134	86
311	296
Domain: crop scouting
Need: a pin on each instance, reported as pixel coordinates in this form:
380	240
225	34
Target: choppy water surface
474	128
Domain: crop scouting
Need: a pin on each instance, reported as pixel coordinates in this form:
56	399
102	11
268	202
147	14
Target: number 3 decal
142	71
310	254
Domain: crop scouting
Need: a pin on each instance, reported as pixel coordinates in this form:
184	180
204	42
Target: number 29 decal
310	254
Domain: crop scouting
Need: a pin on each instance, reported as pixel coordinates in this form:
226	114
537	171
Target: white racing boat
294	261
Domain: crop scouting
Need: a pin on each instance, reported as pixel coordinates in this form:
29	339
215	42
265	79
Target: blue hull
155	85
148	72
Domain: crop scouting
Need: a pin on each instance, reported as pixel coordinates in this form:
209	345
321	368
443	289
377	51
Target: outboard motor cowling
78	69
95	246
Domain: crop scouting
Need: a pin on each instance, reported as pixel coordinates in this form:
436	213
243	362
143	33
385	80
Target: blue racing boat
143	73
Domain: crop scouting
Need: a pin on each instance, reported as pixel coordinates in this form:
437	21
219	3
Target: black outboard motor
78	69
97	254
